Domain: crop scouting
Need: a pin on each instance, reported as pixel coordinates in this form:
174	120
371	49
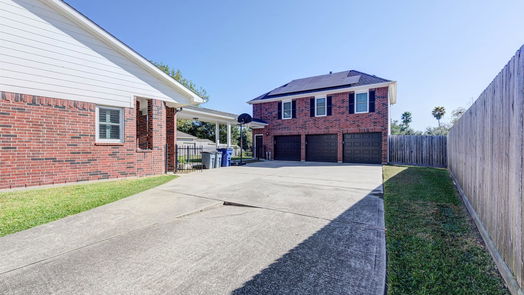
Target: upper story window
287	109
361	102
109	124
320	107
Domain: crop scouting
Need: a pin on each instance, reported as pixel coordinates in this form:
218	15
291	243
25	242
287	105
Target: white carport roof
213	116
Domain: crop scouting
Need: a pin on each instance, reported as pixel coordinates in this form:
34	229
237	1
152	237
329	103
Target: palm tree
438	113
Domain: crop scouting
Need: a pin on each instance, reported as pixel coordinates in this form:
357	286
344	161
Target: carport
215	117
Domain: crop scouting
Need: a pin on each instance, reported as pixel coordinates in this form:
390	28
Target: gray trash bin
208	160
218	159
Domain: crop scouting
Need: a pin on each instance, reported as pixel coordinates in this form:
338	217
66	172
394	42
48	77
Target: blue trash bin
226	156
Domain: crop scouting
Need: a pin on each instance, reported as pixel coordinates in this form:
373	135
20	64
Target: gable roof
180	134
326	82
95	29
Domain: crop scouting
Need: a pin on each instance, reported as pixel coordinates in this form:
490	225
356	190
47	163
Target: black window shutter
294	109
372	101
352	103
312	107
329	106
279	110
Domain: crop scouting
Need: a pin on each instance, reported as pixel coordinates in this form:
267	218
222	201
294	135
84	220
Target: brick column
150	120
171	137
302	147
340	147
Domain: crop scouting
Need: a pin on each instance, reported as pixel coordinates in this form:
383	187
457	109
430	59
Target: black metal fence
188	159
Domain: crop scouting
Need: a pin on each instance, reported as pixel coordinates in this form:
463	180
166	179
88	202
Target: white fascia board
332	91
112	41
257	125
392	93
188	114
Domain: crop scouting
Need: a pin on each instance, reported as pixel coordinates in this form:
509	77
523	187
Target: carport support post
228	135
217	134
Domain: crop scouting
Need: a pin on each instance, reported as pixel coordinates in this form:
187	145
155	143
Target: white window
287	109
320	106
109	124
361	102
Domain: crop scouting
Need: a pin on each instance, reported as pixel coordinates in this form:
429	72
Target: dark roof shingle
343	79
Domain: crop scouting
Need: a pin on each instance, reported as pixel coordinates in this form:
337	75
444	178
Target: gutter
392	92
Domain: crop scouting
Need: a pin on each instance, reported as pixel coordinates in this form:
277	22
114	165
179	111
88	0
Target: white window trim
291	113
325	106
97	126
367	101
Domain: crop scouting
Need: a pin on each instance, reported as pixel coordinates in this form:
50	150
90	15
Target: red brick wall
339	122
46	140
171	137
142	126
152	161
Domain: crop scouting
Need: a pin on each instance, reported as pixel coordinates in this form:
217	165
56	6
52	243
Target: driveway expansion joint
229	203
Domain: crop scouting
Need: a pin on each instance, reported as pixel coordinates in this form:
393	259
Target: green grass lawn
433	245
24	209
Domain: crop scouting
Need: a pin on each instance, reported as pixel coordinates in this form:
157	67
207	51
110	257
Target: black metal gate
188	158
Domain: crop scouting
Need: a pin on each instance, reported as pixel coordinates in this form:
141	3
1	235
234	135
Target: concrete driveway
267	228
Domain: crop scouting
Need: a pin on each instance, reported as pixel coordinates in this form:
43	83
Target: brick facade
47	141
340	122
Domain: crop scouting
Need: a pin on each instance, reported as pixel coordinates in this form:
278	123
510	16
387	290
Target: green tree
438	113
206	130
177	75
199	129
456	114
247	136
406	119
440	130
396	128
443	129
403	127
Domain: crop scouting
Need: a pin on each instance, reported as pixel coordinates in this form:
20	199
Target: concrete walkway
266	228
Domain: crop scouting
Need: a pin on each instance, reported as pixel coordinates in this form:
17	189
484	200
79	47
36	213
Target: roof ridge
318	76
324	82
360	72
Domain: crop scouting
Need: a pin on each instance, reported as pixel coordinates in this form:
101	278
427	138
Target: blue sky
440	52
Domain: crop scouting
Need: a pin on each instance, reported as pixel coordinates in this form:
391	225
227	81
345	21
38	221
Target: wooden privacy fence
486	150
418	150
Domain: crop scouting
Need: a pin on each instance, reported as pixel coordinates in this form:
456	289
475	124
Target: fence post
176	158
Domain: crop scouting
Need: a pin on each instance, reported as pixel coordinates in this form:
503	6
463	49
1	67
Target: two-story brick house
338	117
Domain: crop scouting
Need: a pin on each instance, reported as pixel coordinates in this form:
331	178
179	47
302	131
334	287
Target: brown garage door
363	148
321	147
287	148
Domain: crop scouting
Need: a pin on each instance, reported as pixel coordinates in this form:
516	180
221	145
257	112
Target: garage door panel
322	147
363	148
287	147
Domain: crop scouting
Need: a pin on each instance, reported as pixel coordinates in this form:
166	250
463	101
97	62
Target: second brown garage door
321	147
363	148
287	148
